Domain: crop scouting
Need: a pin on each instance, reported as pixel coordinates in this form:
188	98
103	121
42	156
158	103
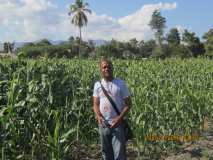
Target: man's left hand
116	121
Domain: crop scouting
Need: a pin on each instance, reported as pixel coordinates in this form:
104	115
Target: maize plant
46	105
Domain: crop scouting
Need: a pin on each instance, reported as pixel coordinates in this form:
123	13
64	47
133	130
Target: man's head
106	69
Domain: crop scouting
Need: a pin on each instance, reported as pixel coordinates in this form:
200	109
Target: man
111	129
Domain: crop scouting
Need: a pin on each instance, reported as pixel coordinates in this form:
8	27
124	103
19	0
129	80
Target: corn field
46	105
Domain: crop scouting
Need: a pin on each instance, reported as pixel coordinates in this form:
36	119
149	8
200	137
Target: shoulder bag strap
110	99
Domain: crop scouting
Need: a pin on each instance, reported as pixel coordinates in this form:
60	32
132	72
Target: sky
32	20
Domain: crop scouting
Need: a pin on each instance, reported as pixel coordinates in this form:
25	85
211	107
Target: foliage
180	51
208	37
193	43
190	46
173	37
43	42
157	23
79	9
146	48
161	51
8	47
48	51
45	105
106	51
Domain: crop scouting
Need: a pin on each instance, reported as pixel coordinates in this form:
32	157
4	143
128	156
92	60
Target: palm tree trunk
8	48
79	43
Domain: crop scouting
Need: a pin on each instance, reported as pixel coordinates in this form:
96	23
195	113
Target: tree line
174	44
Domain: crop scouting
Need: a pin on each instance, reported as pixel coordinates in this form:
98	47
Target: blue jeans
113	144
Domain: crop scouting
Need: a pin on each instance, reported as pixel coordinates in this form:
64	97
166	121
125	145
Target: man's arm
127	102
96	109
118	119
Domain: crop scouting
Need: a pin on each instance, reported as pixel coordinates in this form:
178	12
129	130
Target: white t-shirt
117	90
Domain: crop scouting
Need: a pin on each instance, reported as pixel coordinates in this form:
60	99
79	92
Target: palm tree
79	10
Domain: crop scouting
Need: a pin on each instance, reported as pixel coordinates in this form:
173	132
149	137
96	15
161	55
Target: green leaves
46	105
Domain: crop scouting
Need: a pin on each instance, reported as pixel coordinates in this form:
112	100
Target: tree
79	19
161	51
208	37
180	51
5	47
146	48
133	42
175	49
157	24
133	46
30	44
71	39
173	37
91	44
43	42
193	43
8	47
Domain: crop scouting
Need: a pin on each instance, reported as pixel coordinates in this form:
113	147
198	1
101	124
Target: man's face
106	69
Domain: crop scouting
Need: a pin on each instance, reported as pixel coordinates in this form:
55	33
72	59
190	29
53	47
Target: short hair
105	60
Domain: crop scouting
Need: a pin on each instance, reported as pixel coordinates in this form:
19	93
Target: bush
48	51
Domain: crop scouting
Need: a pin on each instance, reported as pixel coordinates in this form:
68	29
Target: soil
201	149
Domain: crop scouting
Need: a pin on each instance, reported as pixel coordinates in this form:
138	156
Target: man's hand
99	119
98	114
116	121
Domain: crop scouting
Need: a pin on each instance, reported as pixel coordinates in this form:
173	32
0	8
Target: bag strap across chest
110	99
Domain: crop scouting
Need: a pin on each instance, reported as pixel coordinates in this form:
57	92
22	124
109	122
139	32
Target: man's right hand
100	119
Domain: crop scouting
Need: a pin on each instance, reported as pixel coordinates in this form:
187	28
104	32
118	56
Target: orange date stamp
177	138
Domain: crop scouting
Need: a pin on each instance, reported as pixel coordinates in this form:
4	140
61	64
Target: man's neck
109	79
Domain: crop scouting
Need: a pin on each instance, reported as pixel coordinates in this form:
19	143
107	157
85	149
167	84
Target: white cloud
136	24
29	20
37	5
